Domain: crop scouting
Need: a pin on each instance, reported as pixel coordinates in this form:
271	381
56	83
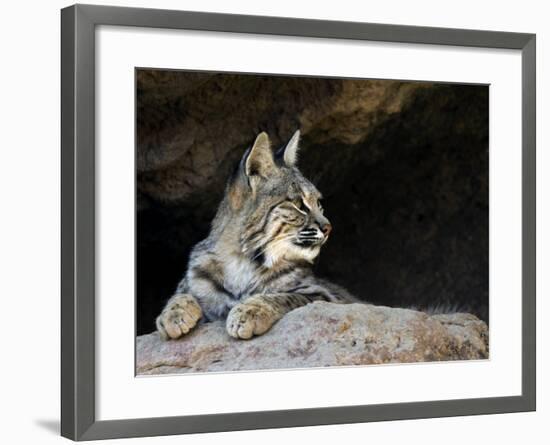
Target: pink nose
326	229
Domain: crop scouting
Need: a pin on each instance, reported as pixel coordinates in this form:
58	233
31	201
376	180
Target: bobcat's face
282	211
295	227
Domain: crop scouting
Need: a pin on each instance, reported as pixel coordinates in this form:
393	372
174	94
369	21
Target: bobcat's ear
256	163
290	155
259	161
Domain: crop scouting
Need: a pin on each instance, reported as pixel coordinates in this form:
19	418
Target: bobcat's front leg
257	314
180	315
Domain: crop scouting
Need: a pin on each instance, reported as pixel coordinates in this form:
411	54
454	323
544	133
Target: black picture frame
78	23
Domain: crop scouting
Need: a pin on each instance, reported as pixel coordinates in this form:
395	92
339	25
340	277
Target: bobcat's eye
320	207
299	204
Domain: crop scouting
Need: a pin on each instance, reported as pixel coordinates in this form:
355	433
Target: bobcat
256	263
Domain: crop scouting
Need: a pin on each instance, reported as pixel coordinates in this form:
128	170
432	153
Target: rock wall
403	167
192	128
317	335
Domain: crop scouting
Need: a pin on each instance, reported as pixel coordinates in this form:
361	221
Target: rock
192	128
321	334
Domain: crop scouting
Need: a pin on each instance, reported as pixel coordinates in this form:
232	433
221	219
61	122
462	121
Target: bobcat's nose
326	228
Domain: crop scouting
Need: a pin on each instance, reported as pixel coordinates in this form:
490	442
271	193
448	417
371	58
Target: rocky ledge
321	334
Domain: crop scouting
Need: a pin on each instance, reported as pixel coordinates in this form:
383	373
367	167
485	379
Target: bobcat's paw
250	318
180	315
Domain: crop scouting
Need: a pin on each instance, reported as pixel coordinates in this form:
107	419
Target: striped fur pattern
256	263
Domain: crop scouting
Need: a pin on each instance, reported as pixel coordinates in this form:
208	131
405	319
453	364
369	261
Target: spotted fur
256	264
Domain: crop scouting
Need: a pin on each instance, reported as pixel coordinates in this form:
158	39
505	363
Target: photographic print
239	211
303	222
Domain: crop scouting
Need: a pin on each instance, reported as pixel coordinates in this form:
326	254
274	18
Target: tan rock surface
321	334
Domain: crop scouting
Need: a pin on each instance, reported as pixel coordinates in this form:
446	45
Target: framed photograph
273	222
